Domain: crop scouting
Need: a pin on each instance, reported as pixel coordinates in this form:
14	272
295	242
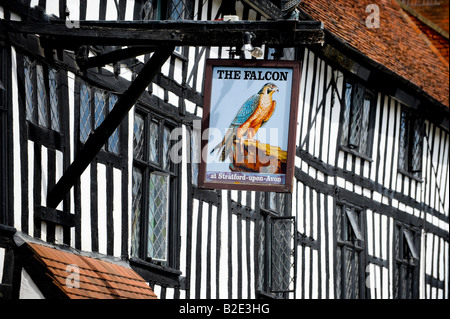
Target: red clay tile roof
396	45
435	11
98	279
430	19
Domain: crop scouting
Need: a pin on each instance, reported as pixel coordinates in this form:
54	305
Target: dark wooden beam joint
100	136
54	216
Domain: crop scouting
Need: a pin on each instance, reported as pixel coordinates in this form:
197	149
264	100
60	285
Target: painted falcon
253	114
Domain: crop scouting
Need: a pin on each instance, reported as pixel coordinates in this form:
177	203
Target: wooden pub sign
249	125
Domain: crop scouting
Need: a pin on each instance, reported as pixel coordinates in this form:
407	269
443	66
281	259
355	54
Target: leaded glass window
99	108
282	254
356	115
410	144
85	112
350	270
54	111
195	154
138	137
41	95
95	105
180	9
158	216
155	198
136	214
29	88
406	263
149	10
276	238
113	141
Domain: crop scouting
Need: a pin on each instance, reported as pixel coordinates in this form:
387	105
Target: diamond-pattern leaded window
99	108
29	88
113	141
85	112
158	216
180	9
95	105
136	214
54	111
282	255
276	239
406	252
410	144
350	270
41	95
154	176
356	118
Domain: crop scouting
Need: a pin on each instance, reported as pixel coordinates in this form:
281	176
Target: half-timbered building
95	95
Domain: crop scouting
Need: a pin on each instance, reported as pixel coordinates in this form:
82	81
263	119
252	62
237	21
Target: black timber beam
266	8
100	136
281	33
114	56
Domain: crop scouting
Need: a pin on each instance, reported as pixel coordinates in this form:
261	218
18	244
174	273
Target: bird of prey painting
252	115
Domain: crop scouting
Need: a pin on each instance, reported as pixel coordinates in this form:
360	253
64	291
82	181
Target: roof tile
396	44
98	279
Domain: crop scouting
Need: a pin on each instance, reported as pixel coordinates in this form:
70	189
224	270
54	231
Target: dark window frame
34	118
148	167
351	240
349	142
118	133
406	261
411	126
273	208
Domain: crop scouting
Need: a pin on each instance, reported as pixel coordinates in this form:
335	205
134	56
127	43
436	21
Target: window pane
136	214
349	272
29	88
403	143
346	114
53	100
354	221
339	272
158	215
281	252
176	8
410	241
113	142
363	144
195	155
154	142
138	137
416	144
99	111
261	252
85	113
166	148
262	199
339	222
273	201
41	97
356	116
148	11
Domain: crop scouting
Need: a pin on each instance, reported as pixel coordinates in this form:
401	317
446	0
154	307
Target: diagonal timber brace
100	136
